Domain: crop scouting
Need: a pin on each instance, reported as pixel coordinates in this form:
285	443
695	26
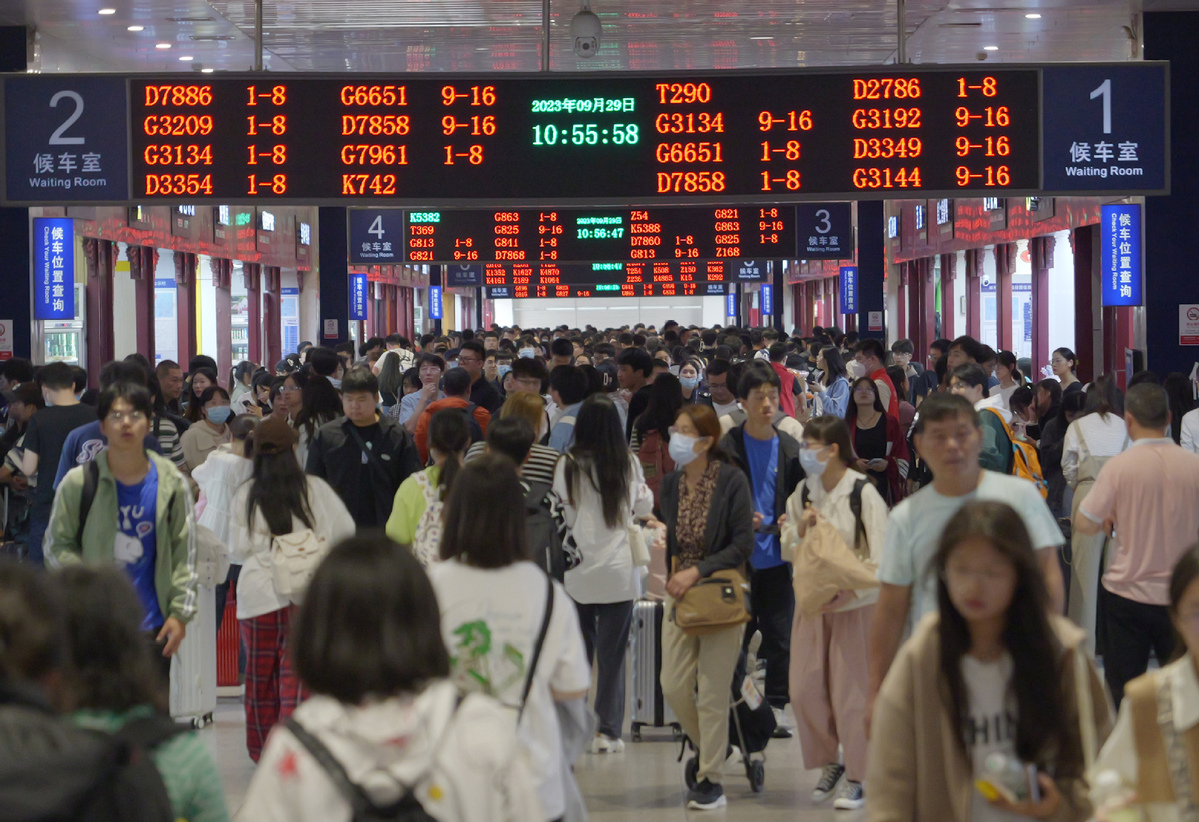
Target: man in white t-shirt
949	438
490	619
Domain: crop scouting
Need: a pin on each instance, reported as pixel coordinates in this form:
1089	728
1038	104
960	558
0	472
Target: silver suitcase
645	652
193	668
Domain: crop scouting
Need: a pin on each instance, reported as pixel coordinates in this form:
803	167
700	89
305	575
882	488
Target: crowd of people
955	577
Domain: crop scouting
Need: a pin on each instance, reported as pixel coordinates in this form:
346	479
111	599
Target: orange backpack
1026	463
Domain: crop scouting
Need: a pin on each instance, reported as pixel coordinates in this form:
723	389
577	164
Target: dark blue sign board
849	289
730	304
65	139
766	303
359	287
1105	127
463	276
824	231
1120	254
376	236
434	302
747	271
53	268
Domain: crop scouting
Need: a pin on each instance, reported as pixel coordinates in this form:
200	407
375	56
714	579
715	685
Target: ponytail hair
449	434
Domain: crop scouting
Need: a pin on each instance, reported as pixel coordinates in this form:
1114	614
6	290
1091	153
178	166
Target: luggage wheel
201	721
636	731
676	733
691	773
757	775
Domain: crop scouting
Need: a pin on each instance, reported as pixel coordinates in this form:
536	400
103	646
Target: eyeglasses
125	416
288	390
464	360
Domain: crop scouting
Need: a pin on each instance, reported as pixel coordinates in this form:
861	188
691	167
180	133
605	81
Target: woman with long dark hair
833	386
239	379
416	515
278	499
391	378
651	431
992	684
319	403
257	400
1065	367
204	437
879	448
198	382
603	492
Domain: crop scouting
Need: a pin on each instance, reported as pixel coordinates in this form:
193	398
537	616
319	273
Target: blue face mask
809	459
689	382
527	353
219	414
503	370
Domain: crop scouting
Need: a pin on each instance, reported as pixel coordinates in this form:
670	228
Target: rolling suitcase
645	650
193	668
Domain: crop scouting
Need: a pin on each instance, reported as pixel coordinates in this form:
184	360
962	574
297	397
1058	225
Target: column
1041	252
949	307
141	271
1085	314
252	272
98	255
974	272
334	279
872	267
222	281
1005	262
1170	221
928	309
271	316
16	278
185	288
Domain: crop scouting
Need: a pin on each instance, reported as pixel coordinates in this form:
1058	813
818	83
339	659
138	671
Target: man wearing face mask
869	356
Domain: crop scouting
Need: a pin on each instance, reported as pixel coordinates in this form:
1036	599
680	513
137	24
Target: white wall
959	290
1061	295
124	298
206	308
613	312
310	308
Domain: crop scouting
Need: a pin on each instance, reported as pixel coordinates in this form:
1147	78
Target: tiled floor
644	783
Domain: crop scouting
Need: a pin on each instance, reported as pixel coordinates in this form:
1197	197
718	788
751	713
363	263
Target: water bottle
1114	801
1007	774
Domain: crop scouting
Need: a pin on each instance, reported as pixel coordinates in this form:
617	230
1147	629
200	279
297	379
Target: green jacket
174	529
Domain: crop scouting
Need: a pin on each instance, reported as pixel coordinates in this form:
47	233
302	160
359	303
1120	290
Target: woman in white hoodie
385	721
279	499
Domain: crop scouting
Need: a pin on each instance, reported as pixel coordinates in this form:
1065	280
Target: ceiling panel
505	35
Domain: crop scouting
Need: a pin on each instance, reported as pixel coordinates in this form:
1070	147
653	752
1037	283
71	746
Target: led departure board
608	139
580	235
520	292
603	273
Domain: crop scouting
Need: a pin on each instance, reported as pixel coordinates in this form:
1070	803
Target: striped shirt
539	467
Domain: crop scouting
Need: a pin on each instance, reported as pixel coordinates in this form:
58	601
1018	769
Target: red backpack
655	462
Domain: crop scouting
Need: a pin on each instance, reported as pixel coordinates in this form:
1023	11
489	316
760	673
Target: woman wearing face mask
202	439
689	379
708	511
879	447
830	649
832	389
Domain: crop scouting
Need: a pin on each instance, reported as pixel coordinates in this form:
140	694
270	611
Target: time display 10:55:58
585	134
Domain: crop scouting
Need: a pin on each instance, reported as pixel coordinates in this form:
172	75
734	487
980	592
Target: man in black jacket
770	460
364	456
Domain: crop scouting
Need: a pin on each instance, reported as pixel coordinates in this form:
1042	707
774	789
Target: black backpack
547	530
53	771
476	430
405	809
855	505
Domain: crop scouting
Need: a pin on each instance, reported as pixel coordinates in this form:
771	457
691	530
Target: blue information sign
358	296
53	268
1120	254
434	302
1105	127
849	289
766	303
65	139
730	304
825	231
376	236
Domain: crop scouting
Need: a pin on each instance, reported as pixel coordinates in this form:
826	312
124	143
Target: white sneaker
850	796
780	718
605	744
735	758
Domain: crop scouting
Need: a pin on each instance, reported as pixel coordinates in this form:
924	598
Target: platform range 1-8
593	138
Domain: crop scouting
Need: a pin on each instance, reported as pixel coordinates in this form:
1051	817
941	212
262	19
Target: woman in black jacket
708	510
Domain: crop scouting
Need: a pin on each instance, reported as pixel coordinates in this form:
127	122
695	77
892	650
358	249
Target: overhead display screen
520	292
589	138
583	235
635	273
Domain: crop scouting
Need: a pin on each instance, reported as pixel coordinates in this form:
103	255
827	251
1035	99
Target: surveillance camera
585	30
986	278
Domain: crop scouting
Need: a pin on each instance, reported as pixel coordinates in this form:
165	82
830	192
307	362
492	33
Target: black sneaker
850	797
706	797
828	782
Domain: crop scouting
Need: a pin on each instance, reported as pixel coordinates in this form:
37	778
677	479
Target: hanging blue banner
767	300
1120	254
53	268
730	305
434	302
849	289
358	292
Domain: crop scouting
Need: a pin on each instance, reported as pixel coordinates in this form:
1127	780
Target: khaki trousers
697	681
830	687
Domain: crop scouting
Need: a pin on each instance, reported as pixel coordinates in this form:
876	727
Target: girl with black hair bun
992	710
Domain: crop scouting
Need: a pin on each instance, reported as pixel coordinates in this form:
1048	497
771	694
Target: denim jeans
605	629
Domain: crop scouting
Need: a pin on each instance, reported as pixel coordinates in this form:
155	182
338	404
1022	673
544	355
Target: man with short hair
634	369
604	351
170	383
429	368
364	455
969	381
568	388
482	392
326	363
1145	498
140	519
724	401
456	385
14	373
45	436
962	351
869	355
562	352
770	460
948	436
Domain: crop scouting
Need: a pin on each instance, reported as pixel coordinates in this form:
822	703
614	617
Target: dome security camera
585	30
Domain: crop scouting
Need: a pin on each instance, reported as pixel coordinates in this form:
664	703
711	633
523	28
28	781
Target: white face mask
682	449
855	369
